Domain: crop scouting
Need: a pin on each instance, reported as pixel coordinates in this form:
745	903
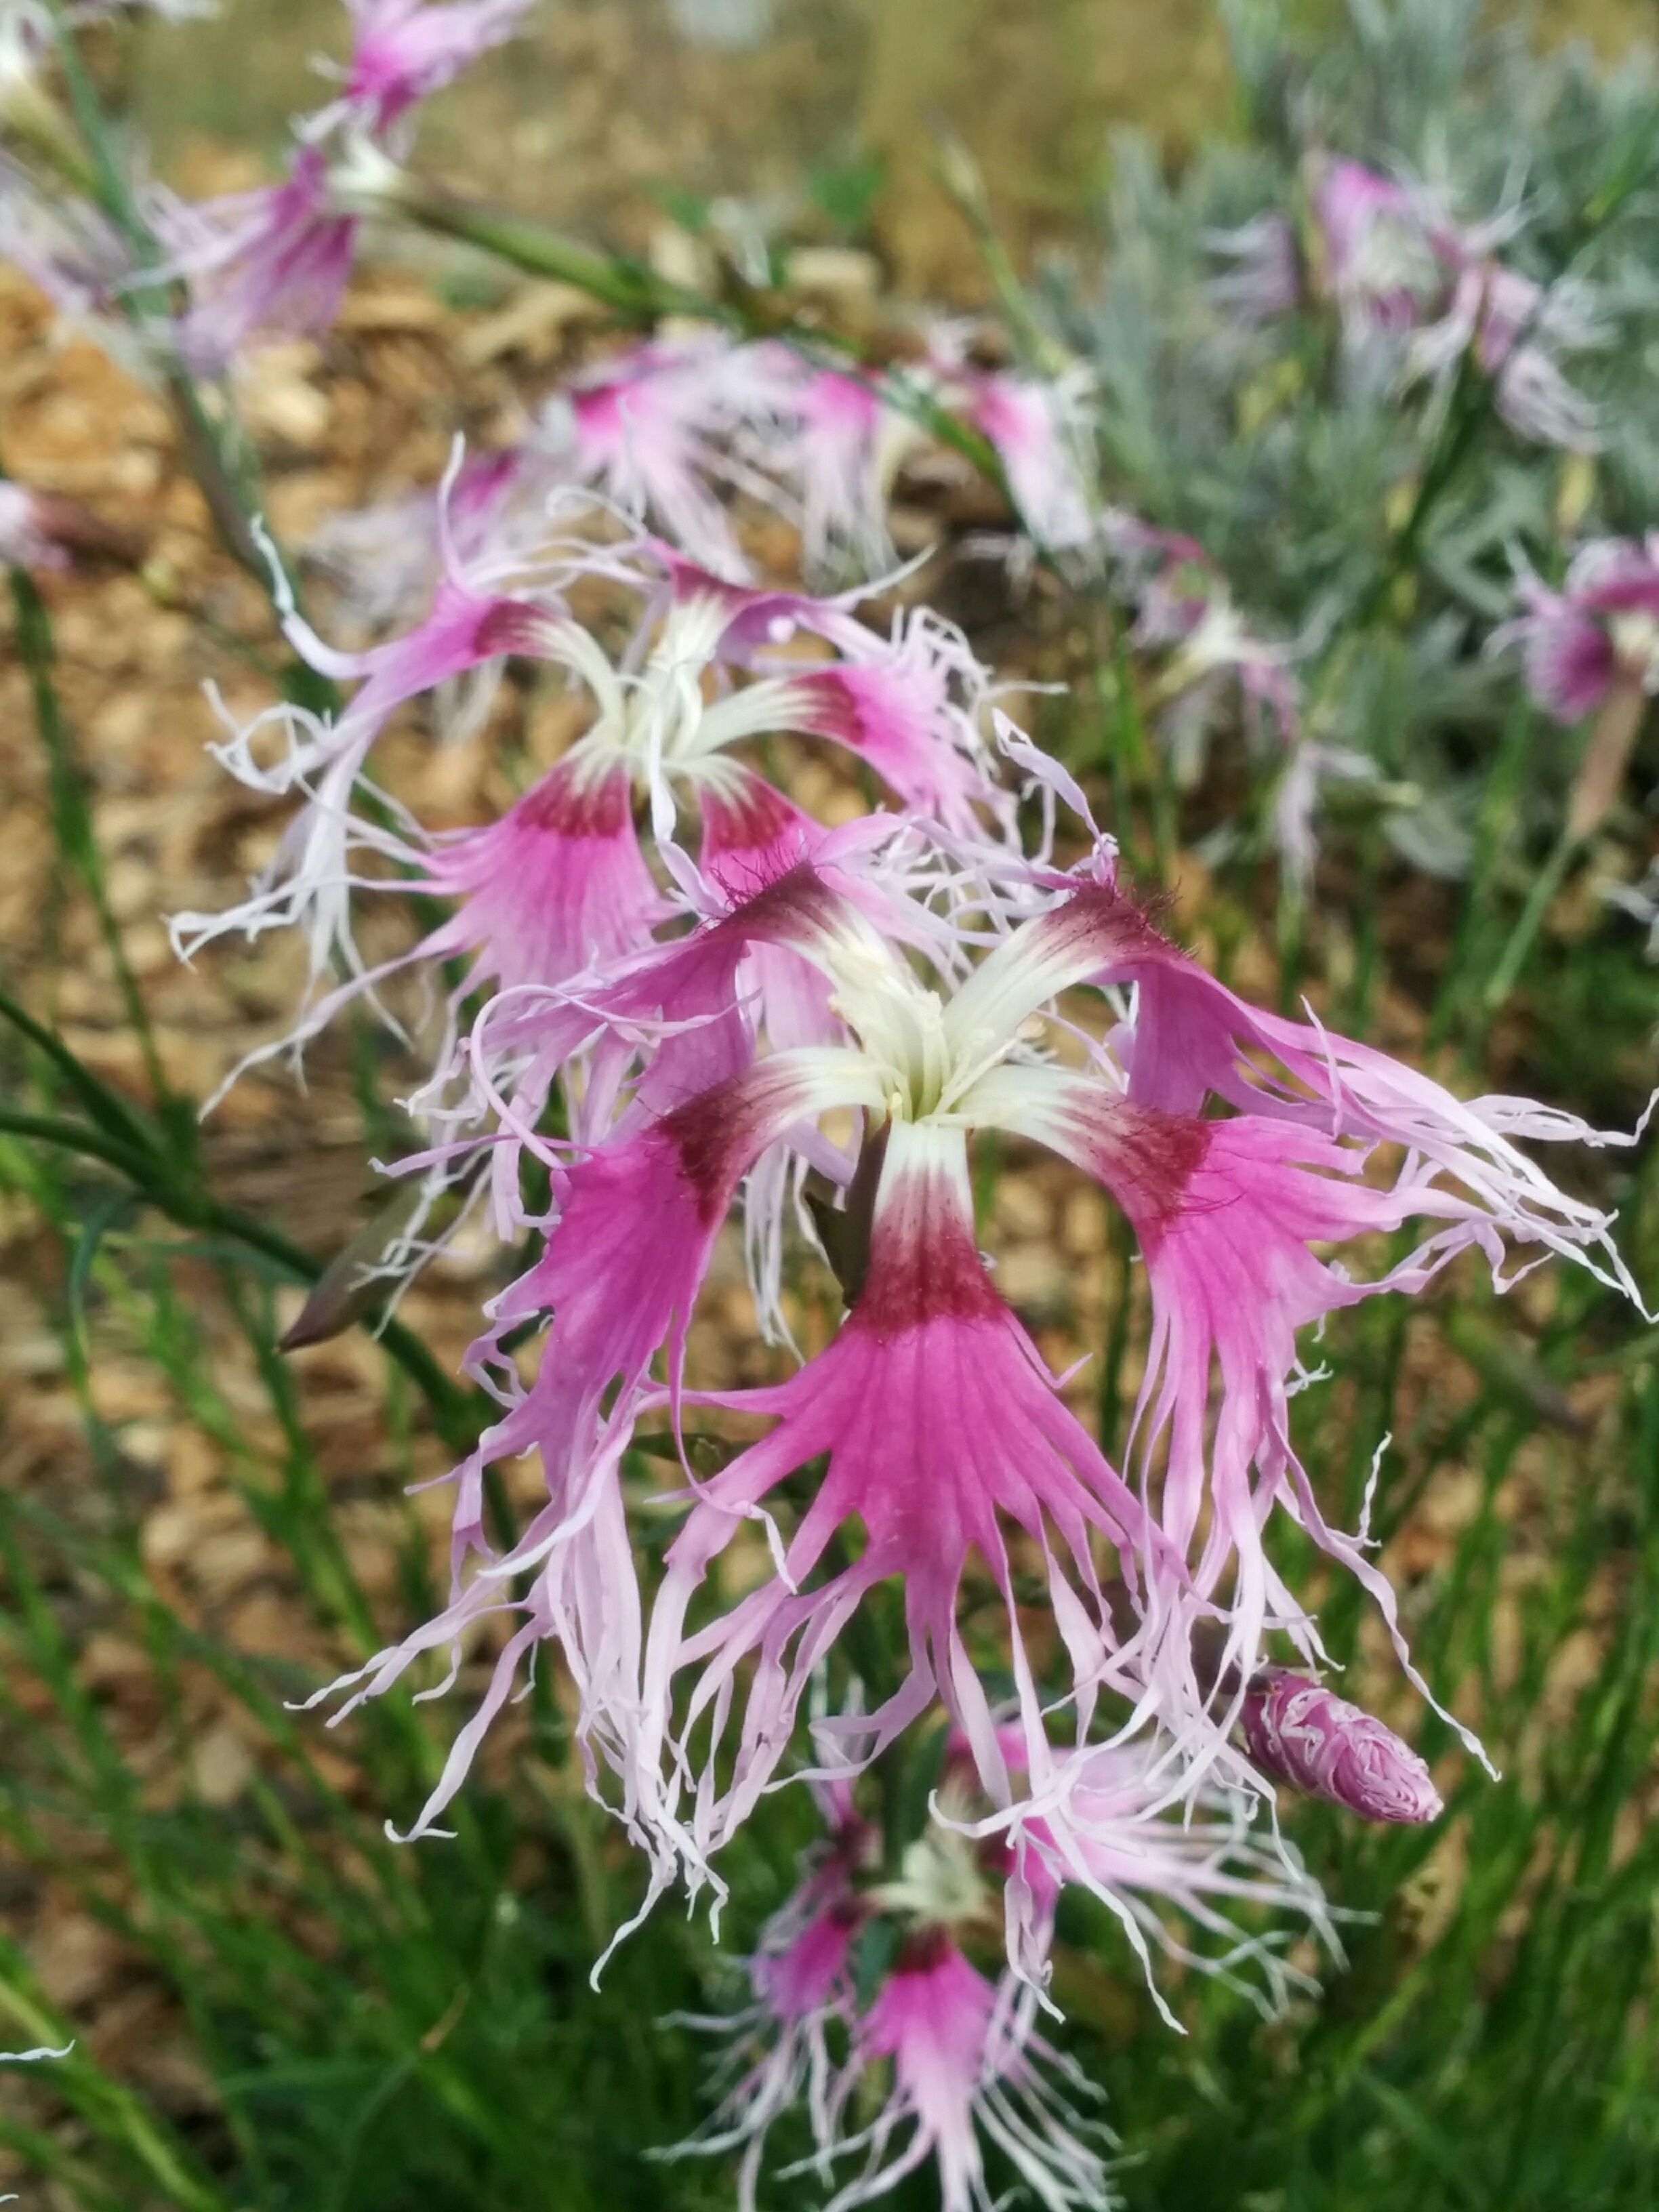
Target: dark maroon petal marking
925	1952
1146	1158
923	1267
718	1133
509	626
753	816
1099	929
833	708
567	803
796	902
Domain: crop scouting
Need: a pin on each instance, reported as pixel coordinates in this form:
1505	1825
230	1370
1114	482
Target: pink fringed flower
404	51
1042	436
560	884
936	1426
848	444
264	263
309	882
653	427
383	560
1183	603
274	262
1108	1820
966	2061
1378	262
1516	329
1600	630
802	1984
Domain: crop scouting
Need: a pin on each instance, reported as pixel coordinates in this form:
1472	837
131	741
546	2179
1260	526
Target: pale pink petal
404	51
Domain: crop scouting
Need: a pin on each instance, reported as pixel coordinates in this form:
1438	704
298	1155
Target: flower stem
71	811
458	1415
1512	959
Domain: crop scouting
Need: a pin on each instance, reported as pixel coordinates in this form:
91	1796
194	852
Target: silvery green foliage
1369	492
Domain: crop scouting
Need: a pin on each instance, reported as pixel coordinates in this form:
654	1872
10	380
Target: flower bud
1300	1733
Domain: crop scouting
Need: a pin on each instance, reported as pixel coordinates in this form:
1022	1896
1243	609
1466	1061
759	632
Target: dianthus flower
1600	630
1183	603
404	51
1042	435
383	562
560	882
842	443
655	425
937	1429
946	2055
965	2061
1516	329
1041	430
1376	257
802	1994
274	261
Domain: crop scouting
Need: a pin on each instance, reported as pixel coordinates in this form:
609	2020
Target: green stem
217	459
458	1415
72	1137
106	1107
1513	958
72	811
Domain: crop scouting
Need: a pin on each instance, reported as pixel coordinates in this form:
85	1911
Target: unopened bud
1300	1733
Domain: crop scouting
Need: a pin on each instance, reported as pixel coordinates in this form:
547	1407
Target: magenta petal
557	885
404	51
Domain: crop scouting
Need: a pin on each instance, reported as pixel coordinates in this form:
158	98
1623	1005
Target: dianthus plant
924	1449
687	997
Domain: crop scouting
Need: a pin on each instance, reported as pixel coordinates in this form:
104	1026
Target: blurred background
274	2008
